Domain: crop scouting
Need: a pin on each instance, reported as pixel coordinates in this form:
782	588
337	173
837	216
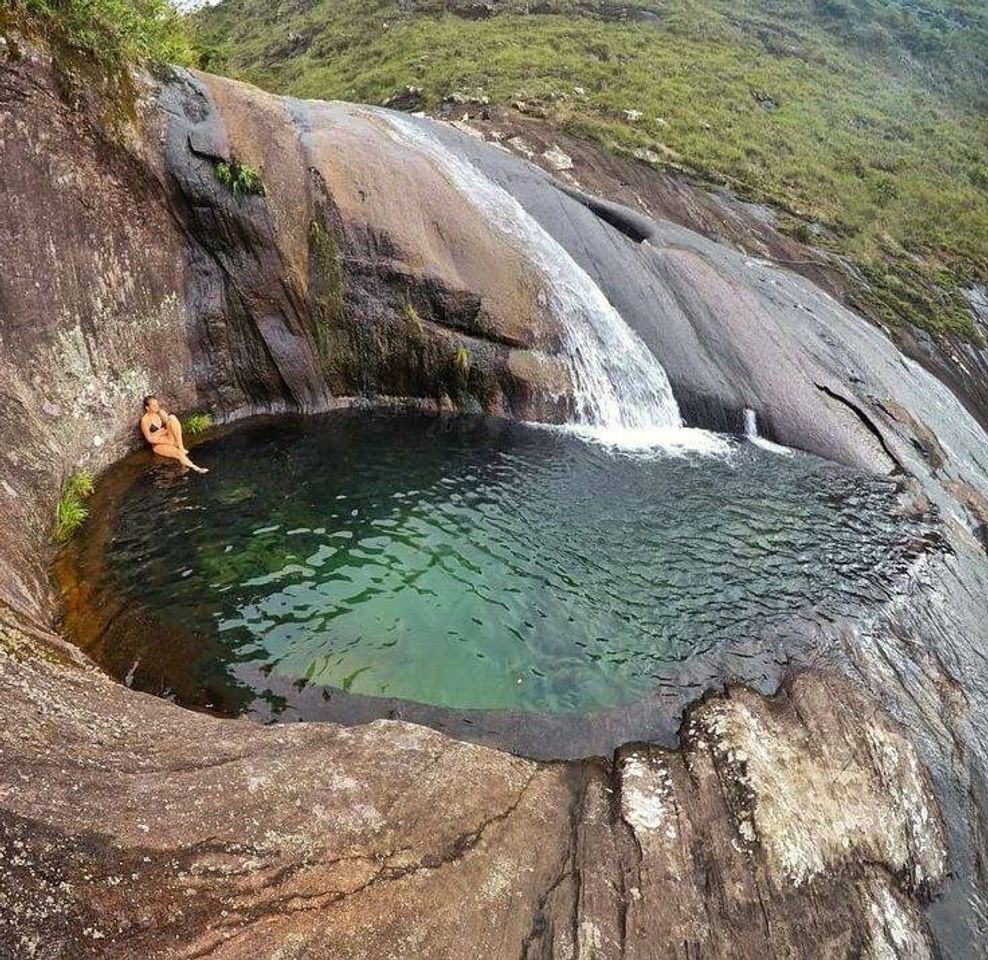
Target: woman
164	433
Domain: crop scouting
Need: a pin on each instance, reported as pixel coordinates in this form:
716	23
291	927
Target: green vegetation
414	320
325	288
95	41
240	179
462	361
863	121
196	423
71	510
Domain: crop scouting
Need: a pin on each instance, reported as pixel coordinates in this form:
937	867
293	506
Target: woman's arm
148	435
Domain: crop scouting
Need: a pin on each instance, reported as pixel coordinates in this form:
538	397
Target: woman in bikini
164	433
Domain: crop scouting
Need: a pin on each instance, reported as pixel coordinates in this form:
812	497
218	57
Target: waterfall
620	389
750	423
752	435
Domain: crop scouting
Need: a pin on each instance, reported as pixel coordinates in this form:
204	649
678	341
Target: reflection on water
466	563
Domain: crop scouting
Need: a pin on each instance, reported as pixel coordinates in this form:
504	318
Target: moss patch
325	287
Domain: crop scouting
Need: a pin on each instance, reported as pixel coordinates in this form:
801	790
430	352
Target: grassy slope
96	42
879	139
108	34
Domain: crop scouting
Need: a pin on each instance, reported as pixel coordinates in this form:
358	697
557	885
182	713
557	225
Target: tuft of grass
95	42
196	423
71	510
462	361
240	179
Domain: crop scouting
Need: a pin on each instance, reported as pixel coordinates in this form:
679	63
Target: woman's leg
175	429
167	450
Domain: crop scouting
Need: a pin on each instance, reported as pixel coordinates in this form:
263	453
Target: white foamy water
751	434
621	392
644	441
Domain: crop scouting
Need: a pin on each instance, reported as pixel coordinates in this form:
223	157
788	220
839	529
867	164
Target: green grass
112	33
863	121
196	423
71	510
240	179
95	42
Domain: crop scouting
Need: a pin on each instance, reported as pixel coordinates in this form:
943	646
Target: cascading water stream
750	424
752	435
621	392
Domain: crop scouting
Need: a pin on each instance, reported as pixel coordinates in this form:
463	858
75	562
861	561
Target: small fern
240	179
71	511
196	423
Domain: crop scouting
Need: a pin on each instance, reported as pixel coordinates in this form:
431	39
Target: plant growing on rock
462	361
71	510
94	44
107	33
240	179
414	320
197	423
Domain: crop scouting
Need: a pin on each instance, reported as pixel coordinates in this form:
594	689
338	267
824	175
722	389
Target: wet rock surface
802	824
654	185
842	816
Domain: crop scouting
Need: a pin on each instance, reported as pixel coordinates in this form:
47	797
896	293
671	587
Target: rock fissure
869	424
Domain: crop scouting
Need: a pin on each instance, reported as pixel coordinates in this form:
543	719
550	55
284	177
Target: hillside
862	121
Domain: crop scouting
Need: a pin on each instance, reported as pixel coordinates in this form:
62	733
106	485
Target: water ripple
472	563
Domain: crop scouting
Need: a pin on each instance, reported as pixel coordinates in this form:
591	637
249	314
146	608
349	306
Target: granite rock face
802	825
843	816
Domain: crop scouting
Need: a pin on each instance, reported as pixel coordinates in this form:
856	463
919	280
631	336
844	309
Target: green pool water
464	563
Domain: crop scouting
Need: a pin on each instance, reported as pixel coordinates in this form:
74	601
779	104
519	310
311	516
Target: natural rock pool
466	564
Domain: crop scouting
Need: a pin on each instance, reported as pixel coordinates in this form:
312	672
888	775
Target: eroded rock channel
833	807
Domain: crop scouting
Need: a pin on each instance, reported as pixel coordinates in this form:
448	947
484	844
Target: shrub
196	423
111	32
71	510
240	179
94	43
803	232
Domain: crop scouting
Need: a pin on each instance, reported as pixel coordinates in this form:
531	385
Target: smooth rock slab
134	828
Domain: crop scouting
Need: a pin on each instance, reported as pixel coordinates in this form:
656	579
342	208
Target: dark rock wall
129	269
92	286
